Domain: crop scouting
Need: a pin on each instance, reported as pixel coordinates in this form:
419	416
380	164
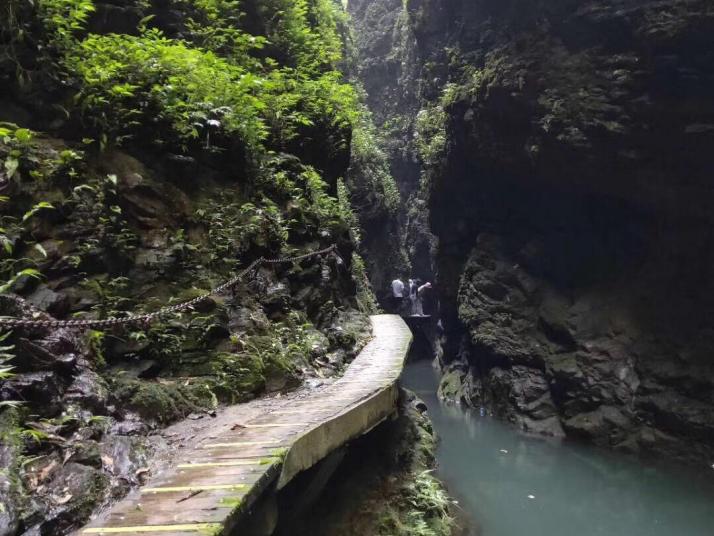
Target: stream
511	484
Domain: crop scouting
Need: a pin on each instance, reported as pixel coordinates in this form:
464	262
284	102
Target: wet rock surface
10	514
586	361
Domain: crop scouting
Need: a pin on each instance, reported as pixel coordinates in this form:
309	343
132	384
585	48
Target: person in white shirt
397	297
397	288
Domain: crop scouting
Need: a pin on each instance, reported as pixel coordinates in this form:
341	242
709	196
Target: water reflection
518	485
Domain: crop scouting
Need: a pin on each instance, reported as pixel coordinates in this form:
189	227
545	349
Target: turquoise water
514	485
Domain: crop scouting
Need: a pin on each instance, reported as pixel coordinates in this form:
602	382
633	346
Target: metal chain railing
147	318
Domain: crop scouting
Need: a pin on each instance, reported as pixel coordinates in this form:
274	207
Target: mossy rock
238	377
163	402
451	387
12	495
84	487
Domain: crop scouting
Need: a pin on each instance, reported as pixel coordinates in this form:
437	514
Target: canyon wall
565	155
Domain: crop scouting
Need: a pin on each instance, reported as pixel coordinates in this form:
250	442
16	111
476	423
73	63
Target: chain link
145	319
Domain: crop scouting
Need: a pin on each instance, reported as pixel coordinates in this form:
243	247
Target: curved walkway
218	481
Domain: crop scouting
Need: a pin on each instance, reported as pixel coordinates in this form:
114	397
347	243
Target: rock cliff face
388	66
571	199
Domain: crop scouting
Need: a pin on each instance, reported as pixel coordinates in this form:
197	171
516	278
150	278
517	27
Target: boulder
86	453
276	298
88	390
38	356
522	395
55	303
9	494
606	426
70	496
145	200
123	456
456	385
43	390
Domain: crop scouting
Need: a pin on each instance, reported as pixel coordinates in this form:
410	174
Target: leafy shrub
281	352
366	300
28	165
315	210
431	134
295	101
64	18
236	227
127	81
370	181
306	31
6	355
347	212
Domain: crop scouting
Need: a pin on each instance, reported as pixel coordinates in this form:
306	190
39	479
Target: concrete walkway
219	480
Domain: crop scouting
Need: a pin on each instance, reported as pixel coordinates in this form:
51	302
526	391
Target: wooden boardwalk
218	481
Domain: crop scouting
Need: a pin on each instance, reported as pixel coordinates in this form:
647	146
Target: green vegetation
223	84
280	454
369	173
277	354
423	510
371	191
128	82
162	402
431	131
422	506
23	159
6	354
247	77
12	441
170	146
366	301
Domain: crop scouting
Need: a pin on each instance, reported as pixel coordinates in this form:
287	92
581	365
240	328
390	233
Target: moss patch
163	402
12	494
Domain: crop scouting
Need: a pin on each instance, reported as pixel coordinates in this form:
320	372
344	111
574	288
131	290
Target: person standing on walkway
413	299
397	297
420	297
416	294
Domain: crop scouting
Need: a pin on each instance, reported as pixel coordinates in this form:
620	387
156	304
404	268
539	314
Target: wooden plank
226	453
192	528
196	487
279	425
249	462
